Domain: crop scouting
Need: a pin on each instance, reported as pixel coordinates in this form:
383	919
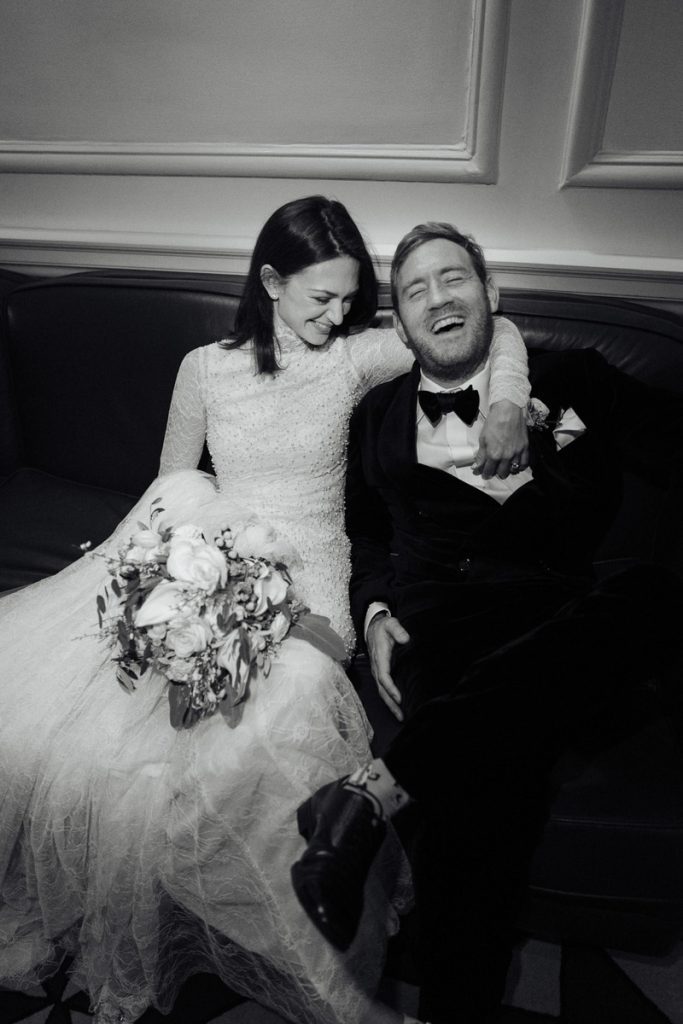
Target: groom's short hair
429	232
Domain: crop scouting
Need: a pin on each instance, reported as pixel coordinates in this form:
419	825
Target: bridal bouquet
204	613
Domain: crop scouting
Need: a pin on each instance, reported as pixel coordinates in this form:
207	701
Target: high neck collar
288	340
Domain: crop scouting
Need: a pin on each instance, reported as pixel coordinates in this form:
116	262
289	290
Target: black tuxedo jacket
415	529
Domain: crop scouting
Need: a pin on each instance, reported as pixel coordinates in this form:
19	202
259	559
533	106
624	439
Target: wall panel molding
648	279
474	158
585	163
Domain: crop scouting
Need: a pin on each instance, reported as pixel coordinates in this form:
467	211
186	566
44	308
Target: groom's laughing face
444	310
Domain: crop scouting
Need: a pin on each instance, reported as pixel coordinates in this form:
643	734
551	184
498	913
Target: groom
486	632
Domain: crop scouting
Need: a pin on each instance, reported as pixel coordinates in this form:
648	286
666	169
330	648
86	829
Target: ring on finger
514	466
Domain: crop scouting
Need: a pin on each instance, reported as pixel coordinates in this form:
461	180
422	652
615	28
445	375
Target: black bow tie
436	404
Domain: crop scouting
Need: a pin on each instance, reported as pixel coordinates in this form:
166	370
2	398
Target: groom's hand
503	442
384	632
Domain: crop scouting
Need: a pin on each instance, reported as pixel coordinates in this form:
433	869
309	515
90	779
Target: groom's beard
457	355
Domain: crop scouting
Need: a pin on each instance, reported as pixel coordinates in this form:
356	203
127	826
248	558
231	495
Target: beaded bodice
278	442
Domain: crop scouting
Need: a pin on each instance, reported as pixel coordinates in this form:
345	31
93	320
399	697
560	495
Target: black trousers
485	725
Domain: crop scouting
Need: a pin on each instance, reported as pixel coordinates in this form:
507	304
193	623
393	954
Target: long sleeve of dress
186	425
379	355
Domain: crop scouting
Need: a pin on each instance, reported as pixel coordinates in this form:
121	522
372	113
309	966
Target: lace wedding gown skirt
149	854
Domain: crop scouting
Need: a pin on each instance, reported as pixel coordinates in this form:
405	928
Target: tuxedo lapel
396	443
543	456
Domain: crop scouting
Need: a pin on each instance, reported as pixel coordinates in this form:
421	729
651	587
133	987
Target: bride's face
316	299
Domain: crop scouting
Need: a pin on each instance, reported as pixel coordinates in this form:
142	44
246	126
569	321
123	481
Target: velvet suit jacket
415	530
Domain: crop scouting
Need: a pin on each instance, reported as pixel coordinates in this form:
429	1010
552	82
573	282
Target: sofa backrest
640	340
93	359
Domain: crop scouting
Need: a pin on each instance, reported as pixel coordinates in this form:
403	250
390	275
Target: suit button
464	566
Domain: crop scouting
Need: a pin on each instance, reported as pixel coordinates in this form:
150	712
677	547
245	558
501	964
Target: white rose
228	658
255	540
161	605
158	632
271	586
279	627
196	562
146	546
259	540
188	638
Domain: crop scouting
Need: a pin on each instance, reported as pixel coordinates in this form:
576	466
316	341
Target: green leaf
116	588
122	677
317	631
284	571
231	708
181	714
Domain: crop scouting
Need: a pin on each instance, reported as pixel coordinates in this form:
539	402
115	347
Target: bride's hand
504	443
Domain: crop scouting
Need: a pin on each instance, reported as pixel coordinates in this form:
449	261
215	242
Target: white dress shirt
451	445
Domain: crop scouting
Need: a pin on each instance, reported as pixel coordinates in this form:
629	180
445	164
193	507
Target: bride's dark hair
298	235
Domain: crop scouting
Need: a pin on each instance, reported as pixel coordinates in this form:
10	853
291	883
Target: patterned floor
546	986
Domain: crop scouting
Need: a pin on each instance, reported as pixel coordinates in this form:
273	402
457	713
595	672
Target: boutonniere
537	415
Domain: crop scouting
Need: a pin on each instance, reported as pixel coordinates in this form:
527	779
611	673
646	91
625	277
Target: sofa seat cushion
44	519
608	868
610	830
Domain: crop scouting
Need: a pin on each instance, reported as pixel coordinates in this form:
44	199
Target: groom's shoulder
547	359
566	363
381	396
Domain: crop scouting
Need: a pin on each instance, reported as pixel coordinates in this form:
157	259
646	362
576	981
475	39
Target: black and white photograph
341	512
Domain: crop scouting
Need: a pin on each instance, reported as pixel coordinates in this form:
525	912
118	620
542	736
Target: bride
149	854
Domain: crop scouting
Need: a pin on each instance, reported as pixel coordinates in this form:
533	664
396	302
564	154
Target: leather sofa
87	364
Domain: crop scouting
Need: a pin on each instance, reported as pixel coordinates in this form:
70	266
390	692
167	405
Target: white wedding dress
148	854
